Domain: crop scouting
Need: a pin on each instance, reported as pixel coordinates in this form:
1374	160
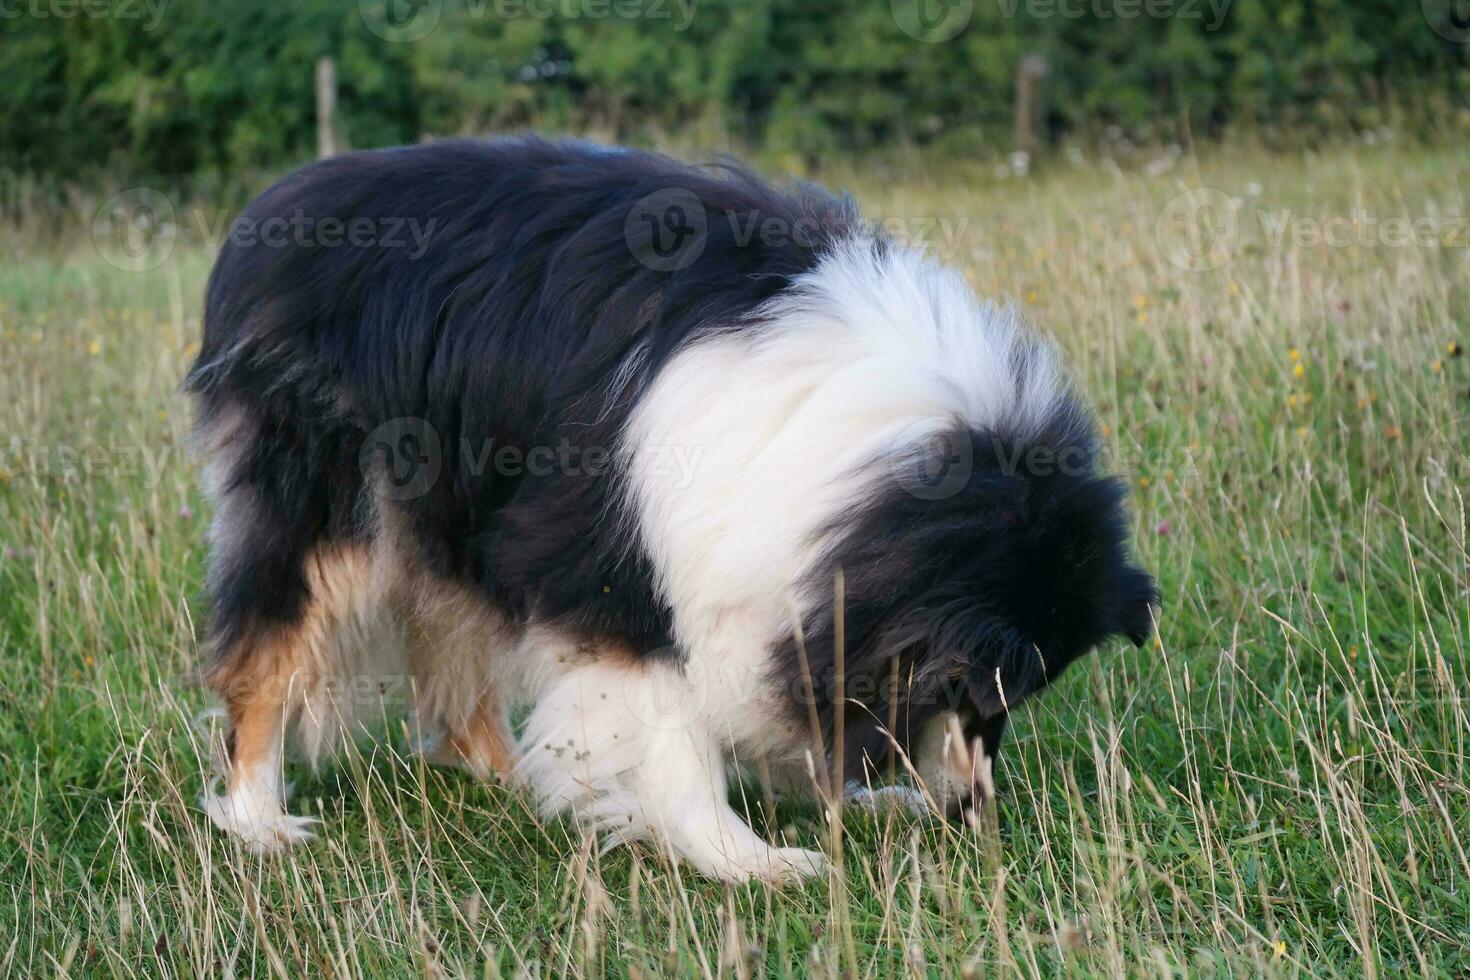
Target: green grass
1281	785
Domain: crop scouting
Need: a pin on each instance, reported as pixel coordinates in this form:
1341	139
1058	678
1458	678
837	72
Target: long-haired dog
700	470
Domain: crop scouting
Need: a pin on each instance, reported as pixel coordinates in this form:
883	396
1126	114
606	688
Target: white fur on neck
873	351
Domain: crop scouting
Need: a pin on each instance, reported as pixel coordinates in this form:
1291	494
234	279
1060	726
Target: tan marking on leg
458	648
484	745
264	682
257	683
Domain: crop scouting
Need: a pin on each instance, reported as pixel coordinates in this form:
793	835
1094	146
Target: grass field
1281	786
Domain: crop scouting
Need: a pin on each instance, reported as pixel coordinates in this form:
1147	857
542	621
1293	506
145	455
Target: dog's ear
1004	669
1003	675
1135	598
960	650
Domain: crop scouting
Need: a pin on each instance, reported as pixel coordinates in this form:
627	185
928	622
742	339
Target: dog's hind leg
288	570
260	688
459	648
480	743
266	672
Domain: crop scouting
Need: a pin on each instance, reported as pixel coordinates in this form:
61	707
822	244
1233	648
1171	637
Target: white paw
263	828
797	864
775	865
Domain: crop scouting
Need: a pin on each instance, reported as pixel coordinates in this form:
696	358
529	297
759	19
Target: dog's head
963	603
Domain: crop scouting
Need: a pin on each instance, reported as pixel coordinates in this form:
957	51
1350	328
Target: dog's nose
969	767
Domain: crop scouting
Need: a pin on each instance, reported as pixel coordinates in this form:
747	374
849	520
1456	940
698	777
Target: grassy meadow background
1280	786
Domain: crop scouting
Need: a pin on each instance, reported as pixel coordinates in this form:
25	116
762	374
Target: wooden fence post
326	107
1029	74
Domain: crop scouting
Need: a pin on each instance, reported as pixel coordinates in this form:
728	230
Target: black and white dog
688	464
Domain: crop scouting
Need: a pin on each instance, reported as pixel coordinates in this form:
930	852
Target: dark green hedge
187	85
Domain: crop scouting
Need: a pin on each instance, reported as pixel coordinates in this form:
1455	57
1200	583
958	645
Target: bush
199	86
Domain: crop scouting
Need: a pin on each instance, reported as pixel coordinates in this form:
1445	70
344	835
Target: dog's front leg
620	745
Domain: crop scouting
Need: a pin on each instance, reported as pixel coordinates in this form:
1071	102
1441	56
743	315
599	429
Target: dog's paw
437	751
795	864
773	865
908	799
263	830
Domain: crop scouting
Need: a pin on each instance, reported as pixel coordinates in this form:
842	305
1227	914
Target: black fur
975	598
507	330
